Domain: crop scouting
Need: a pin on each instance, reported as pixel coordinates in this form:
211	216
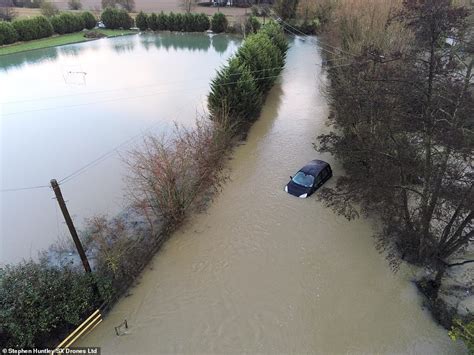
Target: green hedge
89	20
219	22
67	22
34	28
173	22
38	301
8	33
116	18
238	91
141	21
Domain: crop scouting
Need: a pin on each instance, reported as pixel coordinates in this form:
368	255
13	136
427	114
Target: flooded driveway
264	272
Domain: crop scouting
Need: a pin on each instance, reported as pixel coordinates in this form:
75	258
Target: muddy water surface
264	272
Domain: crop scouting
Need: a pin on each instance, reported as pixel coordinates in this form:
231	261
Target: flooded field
264	272
69	110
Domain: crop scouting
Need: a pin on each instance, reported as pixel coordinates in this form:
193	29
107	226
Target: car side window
318	180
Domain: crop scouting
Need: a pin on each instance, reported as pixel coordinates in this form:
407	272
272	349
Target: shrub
34	28
116	18
238	90
162	22
252	25
8	33
89	20
234	94
141	21
59	26
48	9
172	24
37	299
75	4
202	23
68	23
152	22
219	22
263	58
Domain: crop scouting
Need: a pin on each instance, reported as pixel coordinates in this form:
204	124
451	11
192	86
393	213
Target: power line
25	188
128	88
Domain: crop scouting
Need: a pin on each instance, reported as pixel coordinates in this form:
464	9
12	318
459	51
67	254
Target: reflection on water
264	272
63	107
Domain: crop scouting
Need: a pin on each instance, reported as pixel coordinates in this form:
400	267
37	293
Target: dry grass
359	24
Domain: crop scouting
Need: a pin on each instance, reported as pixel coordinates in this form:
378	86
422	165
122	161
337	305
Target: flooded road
264	272
67	111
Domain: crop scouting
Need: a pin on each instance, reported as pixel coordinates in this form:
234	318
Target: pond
73	111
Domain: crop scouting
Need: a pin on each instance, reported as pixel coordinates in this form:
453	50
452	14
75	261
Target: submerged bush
8	33
238	90
219	22
234	94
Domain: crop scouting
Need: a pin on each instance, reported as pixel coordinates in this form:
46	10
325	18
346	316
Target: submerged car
309	178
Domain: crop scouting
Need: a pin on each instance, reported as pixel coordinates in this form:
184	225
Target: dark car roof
314	167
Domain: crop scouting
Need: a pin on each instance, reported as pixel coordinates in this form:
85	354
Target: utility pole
70	225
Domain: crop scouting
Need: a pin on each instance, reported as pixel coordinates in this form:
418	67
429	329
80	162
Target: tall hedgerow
219	22
234	94
238	91
152	22
162	22
141	21
8	33
263	58
116	18
33	28
89	20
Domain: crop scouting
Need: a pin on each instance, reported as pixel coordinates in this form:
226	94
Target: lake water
70	107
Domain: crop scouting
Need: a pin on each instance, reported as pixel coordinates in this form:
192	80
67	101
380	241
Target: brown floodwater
264	272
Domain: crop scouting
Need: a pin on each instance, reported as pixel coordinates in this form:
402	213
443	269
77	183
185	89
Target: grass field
57	41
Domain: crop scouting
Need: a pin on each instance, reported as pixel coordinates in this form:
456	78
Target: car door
317	182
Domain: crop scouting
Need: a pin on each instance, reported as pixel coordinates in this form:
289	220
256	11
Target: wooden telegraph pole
70	225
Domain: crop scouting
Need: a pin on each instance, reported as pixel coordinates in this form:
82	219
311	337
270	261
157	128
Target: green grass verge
57	41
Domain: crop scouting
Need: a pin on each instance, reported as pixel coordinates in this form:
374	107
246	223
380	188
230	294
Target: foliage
252	24
141	21
168	174
34	28
263	58
177	22
219	22
239	88
48	9
116	18
234	94
89	20
74	4
38	300
465	332
403	114
286	9
8	33
67	22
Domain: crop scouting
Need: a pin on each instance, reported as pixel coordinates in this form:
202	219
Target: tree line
402	108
